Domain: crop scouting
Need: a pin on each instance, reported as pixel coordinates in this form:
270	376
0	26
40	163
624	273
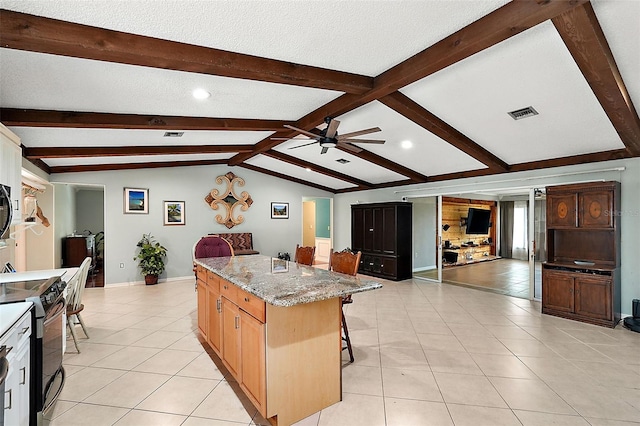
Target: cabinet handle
371	264
17	207
225	287
24	330
237	322
9	349
10	399
246	299
24	375
371	230
219	305
570	290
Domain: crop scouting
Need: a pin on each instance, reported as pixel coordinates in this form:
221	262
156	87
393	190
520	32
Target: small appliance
633	322
6	211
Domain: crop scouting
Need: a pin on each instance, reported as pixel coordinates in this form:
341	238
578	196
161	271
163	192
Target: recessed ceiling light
406	144
308	169
201	94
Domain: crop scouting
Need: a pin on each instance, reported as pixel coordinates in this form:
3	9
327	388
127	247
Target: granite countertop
284	283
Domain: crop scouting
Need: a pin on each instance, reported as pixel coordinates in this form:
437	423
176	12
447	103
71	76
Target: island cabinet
285	359
581	279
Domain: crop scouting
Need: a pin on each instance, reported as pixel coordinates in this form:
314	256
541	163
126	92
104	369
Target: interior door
309	223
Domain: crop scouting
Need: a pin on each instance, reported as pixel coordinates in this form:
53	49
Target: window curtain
506	228
519	249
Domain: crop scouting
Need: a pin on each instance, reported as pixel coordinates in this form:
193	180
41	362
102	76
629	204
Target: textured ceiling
448	96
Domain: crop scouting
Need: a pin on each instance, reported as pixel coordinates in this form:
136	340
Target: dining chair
212	246
345	262
74	300
304	255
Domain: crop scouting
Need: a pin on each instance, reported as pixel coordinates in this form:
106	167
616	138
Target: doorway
317	229
427	238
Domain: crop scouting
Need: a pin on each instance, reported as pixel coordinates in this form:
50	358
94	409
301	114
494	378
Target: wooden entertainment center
581	279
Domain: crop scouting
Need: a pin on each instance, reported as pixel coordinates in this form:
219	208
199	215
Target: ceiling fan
329	138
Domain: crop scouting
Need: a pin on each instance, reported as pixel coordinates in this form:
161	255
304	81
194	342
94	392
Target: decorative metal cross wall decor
229	200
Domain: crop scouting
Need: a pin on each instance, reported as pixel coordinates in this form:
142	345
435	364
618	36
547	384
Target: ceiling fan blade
351	140
306	144
359	132
304	132
332	128
349	147
324	150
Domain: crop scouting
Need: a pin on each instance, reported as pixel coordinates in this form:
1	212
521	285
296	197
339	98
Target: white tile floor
426	354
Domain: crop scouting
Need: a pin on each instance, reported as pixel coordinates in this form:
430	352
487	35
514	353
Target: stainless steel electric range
47	339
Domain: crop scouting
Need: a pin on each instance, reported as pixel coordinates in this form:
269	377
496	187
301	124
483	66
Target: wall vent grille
519	114
173	134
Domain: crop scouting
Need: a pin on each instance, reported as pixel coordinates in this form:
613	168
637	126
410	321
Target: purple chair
212	246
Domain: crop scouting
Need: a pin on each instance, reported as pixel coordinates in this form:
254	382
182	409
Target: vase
151	279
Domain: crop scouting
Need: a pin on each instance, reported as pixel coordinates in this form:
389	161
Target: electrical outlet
122	266
416	254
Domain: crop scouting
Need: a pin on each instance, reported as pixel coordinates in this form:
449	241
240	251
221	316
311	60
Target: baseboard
425	268
163	280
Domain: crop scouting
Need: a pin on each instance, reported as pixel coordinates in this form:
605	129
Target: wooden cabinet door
389	266
231	337
596	209
357	229
388	232
214	322
557	291
252	344
378	229
562	210
202	307
368	229
593	297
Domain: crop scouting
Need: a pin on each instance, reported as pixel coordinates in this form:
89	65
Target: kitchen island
276	326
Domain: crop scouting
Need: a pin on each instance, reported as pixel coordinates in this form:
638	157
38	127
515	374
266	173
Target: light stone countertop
284	283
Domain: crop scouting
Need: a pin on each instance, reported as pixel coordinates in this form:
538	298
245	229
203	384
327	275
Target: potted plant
150	258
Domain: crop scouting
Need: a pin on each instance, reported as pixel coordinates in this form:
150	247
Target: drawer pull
246	299
24	330
226	287
24	375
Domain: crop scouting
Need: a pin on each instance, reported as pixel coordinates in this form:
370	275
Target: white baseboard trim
160	281
425	268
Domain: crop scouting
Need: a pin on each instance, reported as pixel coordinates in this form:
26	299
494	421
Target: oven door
6	211
53	328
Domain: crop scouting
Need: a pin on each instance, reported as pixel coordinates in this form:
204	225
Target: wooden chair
304	255
345	262
74	300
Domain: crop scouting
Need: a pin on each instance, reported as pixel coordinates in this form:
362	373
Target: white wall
629	220
89	210
189	184
424	234
64	206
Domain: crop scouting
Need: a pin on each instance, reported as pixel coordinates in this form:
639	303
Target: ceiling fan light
328	143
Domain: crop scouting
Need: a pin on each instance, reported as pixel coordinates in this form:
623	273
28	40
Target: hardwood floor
504	276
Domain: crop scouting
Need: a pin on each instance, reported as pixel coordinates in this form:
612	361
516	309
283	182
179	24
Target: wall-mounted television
478	221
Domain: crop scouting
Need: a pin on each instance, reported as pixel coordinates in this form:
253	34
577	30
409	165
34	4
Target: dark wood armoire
581	279
382	232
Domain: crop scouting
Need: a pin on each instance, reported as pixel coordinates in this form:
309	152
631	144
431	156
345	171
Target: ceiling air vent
342	160
173	134
519	114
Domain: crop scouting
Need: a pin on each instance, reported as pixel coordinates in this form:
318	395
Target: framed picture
136	200
174	213
279	266
279	210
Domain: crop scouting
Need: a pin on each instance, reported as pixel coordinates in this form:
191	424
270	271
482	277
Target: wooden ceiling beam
132	166
583	36
116	151
369	156
315	168
101	120
285	177
416	113
38	34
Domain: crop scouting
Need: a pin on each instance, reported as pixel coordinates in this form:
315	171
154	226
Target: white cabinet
17	341
11	169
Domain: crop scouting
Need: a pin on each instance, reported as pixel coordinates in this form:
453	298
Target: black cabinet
382	232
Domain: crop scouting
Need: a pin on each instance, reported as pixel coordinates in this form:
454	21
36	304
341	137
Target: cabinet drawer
229	291
251	304
201	273
213	281
23	330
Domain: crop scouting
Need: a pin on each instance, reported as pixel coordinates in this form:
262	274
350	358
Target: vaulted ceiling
92	86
